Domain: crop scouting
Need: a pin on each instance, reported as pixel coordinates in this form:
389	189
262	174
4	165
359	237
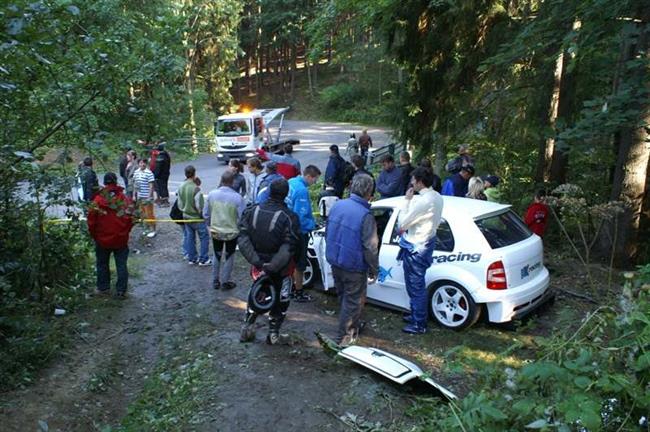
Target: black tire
310	274
451	306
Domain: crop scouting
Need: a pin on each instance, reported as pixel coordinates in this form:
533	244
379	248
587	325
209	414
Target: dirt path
173	313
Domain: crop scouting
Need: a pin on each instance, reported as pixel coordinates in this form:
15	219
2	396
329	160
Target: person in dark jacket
269	236
437	183
457	184
335	171
110	219
406	169
161	170
352	251
360	168
272	175
88	180
389	182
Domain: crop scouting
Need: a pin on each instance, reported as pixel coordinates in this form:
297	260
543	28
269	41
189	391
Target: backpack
176	214
348	173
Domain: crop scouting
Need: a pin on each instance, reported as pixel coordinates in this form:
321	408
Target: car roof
453	206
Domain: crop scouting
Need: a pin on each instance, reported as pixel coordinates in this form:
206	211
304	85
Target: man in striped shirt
143	191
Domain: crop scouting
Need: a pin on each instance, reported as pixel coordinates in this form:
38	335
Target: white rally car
486	260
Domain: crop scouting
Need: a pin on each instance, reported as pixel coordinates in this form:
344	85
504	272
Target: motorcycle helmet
262	295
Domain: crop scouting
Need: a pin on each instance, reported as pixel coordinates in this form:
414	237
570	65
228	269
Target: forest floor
169	358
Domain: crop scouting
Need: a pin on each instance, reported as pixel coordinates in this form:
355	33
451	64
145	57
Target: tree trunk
633	151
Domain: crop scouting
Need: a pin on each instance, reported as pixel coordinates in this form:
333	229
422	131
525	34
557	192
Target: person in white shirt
143	194
418	222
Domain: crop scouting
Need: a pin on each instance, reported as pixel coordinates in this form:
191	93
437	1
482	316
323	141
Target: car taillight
496	276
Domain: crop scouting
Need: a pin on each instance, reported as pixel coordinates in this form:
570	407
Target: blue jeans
415	265
103	272
189	241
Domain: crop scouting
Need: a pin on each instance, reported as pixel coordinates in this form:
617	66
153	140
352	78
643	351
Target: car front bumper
521	300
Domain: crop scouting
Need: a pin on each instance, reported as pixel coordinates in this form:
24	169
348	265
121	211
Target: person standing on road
222	211
110	220
131	168
271	176
88	180
288	166
239	181
352	249
255	178
418	222
365	142
190	202
335	172
299	202
143	192
389	182
161	173
269	239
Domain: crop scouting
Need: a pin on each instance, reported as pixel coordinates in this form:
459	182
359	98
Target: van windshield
233	127
503	229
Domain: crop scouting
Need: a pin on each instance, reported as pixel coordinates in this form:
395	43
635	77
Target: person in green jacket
492	192
191	204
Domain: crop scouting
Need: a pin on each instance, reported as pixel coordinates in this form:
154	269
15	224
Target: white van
239	135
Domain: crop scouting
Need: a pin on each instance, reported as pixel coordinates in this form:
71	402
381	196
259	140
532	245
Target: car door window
382	216
444	237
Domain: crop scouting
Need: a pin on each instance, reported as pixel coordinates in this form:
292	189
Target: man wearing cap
335	171
456	185
492	192
110	219
269	236
161	173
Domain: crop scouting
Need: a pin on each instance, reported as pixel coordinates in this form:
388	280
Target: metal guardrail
375	155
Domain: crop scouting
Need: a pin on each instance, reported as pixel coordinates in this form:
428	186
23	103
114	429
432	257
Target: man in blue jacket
335	171
299	202
389	182
352	251
456	185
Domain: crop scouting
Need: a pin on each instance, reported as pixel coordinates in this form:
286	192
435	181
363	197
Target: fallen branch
580	296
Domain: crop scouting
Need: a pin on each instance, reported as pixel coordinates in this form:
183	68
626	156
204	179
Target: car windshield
233	127
503	229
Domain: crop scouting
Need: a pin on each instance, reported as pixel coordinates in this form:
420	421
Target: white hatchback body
478	243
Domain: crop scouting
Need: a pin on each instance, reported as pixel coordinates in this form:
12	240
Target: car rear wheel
452	306
309	275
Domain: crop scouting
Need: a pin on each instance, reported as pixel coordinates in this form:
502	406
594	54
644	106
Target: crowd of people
267	212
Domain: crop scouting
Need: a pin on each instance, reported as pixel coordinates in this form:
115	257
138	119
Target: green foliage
594	379
172	397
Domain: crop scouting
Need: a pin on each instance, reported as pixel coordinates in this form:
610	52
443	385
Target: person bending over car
352	251
417	223
269	239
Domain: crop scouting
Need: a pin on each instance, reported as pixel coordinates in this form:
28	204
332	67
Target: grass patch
172	397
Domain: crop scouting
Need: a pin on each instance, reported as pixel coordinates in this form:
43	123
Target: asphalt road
315	139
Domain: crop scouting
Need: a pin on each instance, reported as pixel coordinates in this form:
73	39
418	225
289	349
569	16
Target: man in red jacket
537	214
110	219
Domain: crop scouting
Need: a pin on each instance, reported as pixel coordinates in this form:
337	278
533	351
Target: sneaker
301	296
144	233
247	333
272	338
216	285
102	293
205	263
229	285
152	234
193	262
414	329
120	296
347	341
